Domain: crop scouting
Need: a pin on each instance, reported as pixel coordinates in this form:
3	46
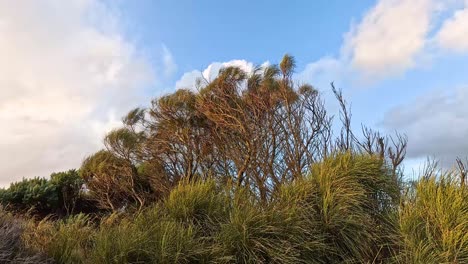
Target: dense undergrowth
348	210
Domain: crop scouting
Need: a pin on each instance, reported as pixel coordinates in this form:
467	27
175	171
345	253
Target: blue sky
200	32
73	68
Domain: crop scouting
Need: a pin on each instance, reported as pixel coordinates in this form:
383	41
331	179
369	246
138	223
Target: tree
69	187
258	130
112	181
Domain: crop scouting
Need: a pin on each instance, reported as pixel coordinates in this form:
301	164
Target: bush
35	195
41	197
68	185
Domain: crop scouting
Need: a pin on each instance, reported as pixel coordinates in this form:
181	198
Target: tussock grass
199	202
65	241
434	222
149	238
349	209
12	248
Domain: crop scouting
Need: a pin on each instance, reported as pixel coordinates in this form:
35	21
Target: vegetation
247	169
12	248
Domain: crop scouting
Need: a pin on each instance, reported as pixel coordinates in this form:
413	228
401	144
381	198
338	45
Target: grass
434	222
12	248
348	210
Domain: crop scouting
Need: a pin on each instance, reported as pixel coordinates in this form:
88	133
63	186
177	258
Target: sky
69	70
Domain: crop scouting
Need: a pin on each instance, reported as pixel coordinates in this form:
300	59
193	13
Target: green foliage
434	222
68	186
34	195
346	211
343	203
258	234
244	171
197	202
149	238
353	193
43	196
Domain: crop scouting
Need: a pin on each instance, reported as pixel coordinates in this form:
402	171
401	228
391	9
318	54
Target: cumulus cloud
322	72
435	123
66	76
189	79
390	37
453	34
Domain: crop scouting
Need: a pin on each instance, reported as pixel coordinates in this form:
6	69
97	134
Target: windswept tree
113	181
256	129
268	130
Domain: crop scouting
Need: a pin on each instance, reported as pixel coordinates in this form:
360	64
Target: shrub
58	195
68	185
35	195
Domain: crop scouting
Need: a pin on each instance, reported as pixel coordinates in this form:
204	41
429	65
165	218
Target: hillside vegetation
245	168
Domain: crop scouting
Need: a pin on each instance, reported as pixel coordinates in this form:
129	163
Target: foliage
247	169
36	194
39	196
112	181
147	240
68	185
345	211
12	248
64	241
434	221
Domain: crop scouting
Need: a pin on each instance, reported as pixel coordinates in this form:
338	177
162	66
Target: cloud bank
66	76
436	124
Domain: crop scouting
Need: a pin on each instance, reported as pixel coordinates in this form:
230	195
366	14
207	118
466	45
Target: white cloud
189	79
435	123
65	68
170	67
453	34
322	72
390	37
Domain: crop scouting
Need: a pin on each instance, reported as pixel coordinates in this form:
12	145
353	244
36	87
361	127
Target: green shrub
33	195
58	195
